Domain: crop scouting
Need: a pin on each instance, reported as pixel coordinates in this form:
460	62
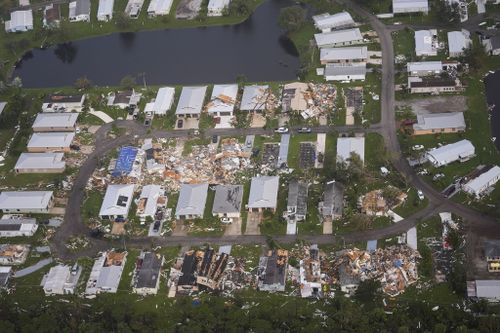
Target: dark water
256	48
492	83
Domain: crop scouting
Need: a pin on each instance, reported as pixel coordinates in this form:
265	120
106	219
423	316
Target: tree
361	221
447	12
368	292
128	82
292	18
239	8
83	83
475	56
391	195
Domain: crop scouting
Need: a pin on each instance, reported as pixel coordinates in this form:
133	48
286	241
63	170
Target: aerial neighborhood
360	171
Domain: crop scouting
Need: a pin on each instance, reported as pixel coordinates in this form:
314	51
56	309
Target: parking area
253	222
233	229
307	155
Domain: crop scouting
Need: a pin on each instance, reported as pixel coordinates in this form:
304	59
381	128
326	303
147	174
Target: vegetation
292	18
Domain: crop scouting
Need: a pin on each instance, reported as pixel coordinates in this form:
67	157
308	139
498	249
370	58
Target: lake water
492	82
256	48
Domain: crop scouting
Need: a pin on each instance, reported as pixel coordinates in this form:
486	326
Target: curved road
73	224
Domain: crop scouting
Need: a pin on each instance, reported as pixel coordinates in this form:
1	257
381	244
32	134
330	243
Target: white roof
432	121
66	119
346	146
217	5
192	199
344	53
117	200
458	41
105	7
109	277
423	42
191	100
56	278
264	192
2	106
160	7
408	5
488	288
345	69
254	98
425	66
51	140
338	36
451	152
25	224
24	200
151	193
219	101
485	180
163	101
40	161
327	21
5	269
21	18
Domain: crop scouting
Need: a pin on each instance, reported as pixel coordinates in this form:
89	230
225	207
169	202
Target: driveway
253	222
233	229
101	115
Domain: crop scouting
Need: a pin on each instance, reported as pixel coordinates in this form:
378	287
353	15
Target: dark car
179	123
156	226
215	138
304	130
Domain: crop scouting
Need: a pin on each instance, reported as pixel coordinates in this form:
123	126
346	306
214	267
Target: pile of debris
378	203
321	98
395	267
208	270
77	243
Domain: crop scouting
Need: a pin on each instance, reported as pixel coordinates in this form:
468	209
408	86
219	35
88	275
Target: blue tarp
125	161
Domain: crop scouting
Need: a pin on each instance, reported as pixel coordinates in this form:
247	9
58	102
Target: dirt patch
435	104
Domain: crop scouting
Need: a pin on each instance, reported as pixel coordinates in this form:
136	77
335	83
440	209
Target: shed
51	16
61	280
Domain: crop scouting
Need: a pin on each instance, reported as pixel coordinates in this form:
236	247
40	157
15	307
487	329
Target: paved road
73	225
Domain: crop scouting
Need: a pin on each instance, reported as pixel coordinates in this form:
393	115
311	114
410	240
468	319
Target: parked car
420	195
226	220
281	130
214	138
179	123
304	130
438	176
418	147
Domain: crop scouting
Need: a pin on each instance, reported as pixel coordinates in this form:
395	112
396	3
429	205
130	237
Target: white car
420	195
418	147
226	220
281	130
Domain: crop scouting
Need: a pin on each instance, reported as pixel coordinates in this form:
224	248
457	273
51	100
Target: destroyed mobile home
395	267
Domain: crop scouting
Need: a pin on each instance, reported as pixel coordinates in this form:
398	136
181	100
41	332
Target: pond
256	48
492	82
